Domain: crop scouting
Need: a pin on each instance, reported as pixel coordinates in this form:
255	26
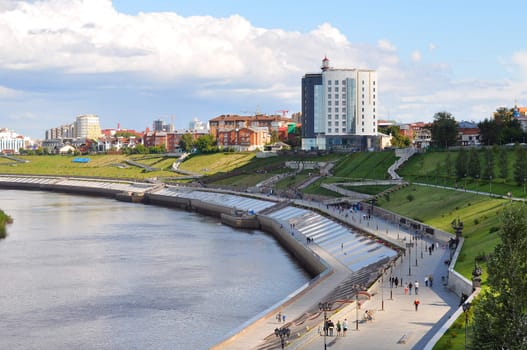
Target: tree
488	167
489	131
187	142
461	163
474	166
520	168
503	163
448	164
444	129
500	317
274	136
206	143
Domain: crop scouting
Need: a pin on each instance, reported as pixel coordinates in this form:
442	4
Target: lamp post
325	307
409	246
466	308
490	186
524	179
416	249
382	289
283	333
356	312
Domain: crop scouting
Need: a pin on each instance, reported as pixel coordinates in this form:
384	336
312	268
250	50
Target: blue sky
132	62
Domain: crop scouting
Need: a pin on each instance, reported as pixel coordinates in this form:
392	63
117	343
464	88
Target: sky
135	61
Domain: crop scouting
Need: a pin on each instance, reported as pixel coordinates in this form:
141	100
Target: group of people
280	317
341	328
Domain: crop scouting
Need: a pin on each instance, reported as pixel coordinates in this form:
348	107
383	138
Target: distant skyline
132	62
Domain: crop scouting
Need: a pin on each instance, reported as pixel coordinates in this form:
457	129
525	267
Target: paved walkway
399	325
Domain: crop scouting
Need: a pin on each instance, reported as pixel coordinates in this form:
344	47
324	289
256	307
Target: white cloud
224	58
416	56
386	45
7	93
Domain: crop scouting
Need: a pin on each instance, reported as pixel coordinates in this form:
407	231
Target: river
80	272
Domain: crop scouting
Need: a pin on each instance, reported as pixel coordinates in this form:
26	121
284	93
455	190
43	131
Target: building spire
325	64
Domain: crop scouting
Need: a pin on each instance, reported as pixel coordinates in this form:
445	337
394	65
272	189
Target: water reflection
93	273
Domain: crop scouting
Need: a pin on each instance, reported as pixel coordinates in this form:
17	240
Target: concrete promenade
398	325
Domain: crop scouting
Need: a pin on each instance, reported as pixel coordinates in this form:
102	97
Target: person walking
279	317
339	329
416	287
426	281
416	304
410	286
344	327
396	282
283	318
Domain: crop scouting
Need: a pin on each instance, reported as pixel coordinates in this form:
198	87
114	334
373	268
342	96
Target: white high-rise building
87	126
339	108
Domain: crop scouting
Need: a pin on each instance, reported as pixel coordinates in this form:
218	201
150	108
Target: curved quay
348	266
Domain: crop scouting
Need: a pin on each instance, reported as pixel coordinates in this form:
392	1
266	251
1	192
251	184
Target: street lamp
490	186
357	312
382	289
283	333
325	307
466	308
524	179
409	246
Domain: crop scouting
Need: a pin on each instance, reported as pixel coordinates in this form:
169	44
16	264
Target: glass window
336	82
336	89
329	82
374	103
362	123
363	103
343	96
329	103
373	95
344	82
362	89
336	123
344	130
373	89
329	123
329	129
336	109
374	82
343	123
362	129
336	102
329	88
343	89
363	82
329	96
329	109
336	96
362	95
343	110
329	116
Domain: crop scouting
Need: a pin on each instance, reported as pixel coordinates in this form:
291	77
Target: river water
81	272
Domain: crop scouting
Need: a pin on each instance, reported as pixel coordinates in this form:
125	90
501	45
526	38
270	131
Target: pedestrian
283	318
416	303
426	281
430	281
339	328
405	289
416	287
410	286
344	327
279	317
396	282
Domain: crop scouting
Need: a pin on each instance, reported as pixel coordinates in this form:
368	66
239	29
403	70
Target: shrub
410	197
494	229
476	221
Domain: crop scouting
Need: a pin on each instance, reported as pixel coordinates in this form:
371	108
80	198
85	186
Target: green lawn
209	164
365	165
104	166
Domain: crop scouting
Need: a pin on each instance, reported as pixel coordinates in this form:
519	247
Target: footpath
395	323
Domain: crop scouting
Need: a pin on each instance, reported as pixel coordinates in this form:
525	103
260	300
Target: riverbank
316	241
